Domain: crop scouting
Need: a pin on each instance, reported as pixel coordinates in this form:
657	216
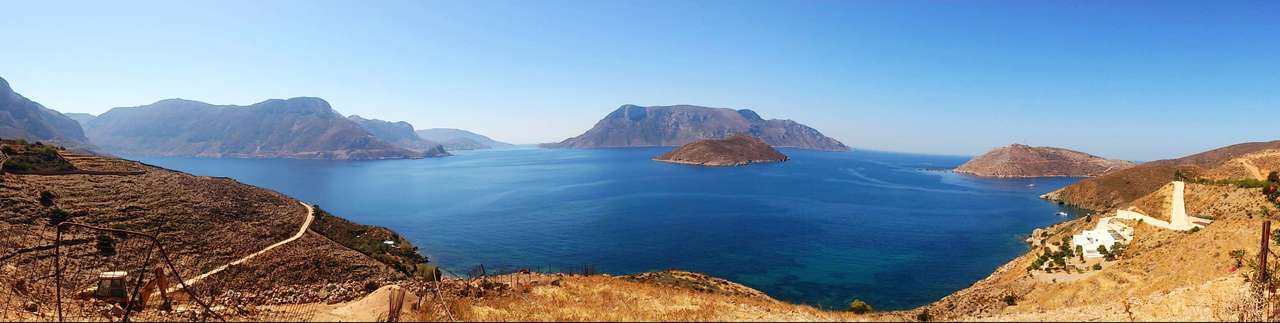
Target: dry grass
554	297
1163	275
203	222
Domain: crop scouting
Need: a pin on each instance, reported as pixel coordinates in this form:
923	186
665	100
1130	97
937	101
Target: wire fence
75	272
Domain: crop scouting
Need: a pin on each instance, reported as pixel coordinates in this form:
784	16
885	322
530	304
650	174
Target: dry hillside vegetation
1116	188
658	296
202	222
1162	275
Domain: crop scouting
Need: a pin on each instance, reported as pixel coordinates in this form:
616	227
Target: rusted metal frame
164	255
146	264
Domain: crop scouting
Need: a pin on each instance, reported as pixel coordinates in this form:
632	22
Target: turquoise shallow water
895	230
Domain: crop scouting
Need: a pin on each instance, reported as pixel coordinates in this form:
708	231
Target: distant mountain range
81	118
662	126
457	139
295	128
1019	160
400	134
21	118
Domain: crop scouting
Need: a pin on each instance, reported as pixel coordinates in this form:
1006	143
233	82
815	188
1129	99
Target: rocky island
1018	160
737	150
670	126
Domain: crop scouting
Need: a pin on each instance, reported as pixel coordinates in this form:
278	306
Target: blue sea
895	230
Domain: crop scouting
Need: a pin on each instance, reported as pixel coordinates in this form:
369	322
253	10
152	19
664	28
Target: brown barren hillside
733	151
1123	186
670	296
1163	274
201	222
1019	160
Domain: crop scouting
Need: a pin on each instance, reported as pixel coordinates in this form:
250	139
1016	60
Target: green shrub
1097	266
1238	255
106	245
923	316
46	198
860	307
57	216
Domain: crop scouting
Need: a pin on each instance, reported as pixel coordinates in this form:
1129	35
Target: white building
1106	233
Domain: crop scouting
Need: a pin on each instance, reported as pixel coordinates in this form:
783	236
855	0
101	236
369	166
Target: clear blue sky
1137	80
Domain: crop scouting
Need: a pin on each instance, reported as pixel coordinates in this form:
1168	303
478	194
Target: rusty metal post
130	302
57	268
1262	256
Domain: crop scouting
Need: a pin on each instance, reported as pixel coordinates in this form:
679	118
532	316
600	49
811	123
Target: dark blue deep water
895	230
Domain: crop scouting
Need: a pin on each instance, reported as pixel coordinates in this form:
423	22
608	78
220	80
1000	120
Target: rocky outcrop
663	126
1019	160
21	118
305	128
458	139
733	151
400	134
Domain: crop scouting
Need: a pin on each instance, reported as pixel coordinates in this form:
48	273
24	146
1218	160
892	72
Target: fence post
1262	256
57	268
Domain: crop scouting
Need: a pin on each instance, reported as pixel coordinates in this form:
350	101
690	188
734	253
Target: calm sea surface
822	229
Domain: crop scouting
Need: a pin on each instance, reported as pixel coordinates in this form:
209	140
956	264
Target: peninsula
1018	160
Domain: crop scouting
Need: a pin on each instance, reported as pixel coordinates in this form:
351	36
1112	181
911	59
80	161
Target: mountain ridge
675	125
458	139
401	134
22	118
301	127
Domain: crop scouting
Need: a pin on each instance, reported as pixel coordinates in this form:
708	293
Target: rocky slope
1113	189
458	139
21	118
203	222
660	126
733	151
400	134
294	128
1162	275
1019	160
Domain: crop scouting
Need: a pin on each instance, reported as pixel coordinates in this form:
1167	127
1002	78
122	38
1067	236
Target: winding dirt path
311	216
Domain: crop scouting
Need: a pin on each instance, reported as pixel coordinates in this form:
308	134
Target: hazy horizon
1120	80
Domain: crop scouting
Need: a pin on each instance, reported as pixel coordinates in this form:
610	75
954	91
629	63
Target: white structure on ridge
1106	233
1178	210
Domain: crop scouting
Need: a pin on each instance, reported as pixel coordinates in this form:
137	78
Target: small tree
46	198
106	245
1080	252
1010	300
923	316
57	216
860	307
1238	255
